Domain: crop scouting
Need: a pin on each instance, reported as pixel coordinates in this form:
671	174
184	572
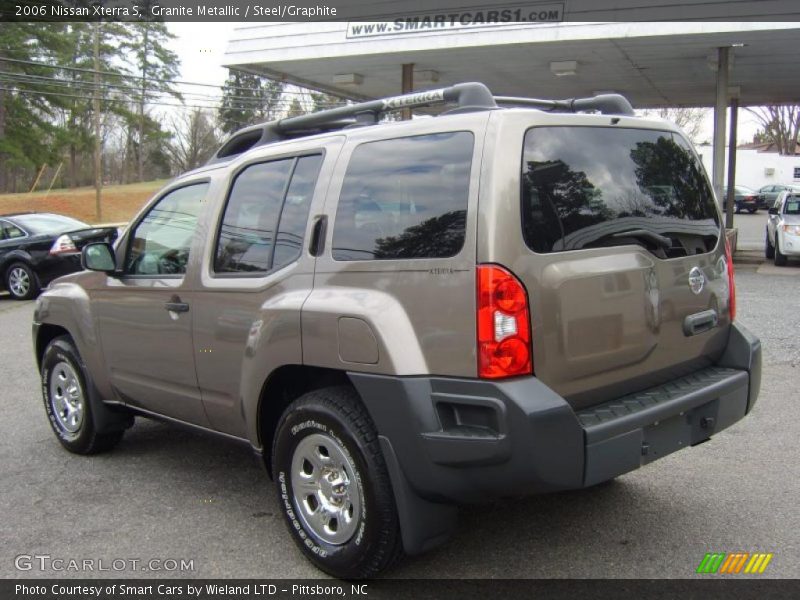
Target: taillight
63	245
504	338
731	281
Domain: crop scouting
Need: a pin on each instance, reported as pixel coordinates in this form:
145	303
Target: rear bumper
466	440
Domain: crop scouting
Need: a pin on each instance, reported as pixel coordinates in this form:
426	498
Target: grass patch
119	202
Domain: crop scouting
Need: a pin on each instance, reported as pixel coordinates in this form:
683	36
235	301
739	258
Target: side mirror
99	257
772	210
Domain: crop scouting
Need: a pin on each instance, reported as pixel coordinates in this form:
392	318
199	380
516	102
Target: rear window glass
404	198
53	224
588	187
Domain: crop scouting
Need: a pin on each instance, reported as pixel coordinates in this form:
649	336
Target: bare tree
194	140
780	125
690	120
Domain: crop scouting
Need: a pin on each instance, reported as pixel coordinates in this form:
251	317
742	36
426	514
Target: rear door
621	252
255	276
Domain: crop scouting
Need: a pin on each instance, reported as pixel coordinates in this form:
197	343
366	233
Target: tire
66	389
22	282
769	249
780	257
333	486
738	208
752	211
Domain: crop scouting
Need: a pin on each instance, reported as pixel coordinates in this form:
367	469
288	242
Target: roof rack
607	104
469	97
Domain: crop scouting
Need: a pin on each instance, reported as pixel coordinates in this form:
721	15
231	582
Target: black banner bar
465	589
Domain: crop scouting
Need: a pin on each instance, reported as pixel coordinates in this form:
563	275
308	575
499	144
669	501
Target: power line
286	103
83	86
139	79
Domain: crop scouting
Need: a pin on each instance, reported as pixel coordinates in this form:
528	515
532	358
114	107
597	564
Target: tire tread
344	401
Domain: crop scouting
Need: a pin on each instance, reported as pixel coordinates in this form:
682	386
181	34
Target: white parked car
783	227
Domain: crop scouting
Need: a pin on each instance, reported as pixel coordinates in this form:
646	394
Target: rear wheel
780	257
333	485
21	282
769	249
65	389
752	210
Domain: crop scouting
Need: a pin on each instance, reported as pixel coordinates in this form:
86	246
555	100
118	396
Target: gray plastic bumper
453	441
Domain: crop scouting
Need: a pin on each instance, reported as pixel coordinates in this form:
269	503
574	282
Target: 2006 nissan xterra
402	317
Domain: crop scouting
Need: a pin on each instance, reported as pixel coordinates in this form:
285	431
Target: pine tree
26	109
324	101
248	99
156	68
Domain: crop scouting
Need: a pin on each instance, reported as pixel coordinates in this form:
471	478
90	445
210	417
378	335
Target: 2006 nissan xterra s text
407	316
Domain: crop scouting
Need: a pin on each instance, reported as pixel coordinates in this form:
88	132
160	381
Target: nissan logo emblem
696	280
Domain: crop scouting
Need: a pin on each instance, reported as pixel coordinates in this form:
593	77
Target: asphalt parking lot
166	493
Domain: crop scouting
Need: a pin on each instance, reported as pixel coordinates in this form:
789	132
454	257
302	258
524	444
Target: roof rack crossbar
607	104
467	97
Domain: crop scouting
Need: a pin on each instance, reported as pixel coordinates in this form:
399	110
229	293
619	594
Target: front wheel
66	389
780	257
333	485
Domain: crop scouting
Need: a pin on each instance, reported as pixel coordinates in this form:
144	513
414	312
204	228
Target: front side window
265	219
161	241
588	187
405	198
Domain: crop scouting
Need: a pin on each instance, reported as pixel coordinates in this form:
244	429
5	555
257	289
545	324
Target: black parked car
744	198
35	248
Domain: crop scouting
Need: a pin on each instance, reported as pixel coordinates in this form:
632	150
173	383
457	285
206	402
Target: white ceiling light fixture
564	68
423	77
348	79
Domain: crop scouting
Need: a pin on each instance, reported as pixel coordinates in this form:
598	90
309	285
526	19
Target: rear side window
265	218
405	198
9	231
588	187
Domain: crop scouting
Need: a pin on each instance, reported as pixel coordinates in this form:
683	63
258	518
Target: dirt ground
119	202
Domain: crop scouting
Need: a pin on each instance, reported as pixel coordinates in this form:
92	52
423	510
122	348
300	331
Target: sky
201	49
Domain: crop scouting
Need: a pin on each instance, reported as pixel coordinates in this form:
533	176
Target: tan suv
402	317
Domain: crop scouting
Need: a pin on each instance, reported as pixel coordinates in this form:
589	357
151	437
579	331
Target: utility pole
98	158
140	157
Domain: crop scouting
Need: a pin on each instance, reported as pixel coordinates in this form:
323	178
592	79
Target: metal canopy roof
653	64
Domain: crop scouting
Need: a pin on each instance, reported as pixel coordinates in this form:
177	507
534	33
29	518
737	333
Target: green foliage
323	101
248	99
27	133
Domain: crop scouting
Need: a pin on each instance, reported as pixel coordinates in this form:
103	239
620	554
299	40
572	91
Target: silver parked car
783	228
769	193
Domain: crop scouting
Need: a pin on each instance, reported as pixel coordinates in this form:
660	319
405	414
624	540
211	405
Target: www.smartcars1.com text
196	10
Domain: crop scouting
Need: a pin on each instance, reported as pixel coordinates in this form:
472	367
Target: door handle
700	322
175	305
317	244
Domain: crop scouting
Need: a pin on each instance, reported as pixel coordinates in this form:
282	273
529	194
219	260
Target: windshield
584	186
44	223
792	206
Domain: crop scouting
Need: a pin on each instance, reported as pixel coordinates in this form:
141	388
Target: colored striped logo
734	562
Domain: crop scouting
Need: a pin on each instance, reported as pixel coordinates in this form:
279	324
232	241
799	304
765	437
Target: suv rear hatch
623	260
